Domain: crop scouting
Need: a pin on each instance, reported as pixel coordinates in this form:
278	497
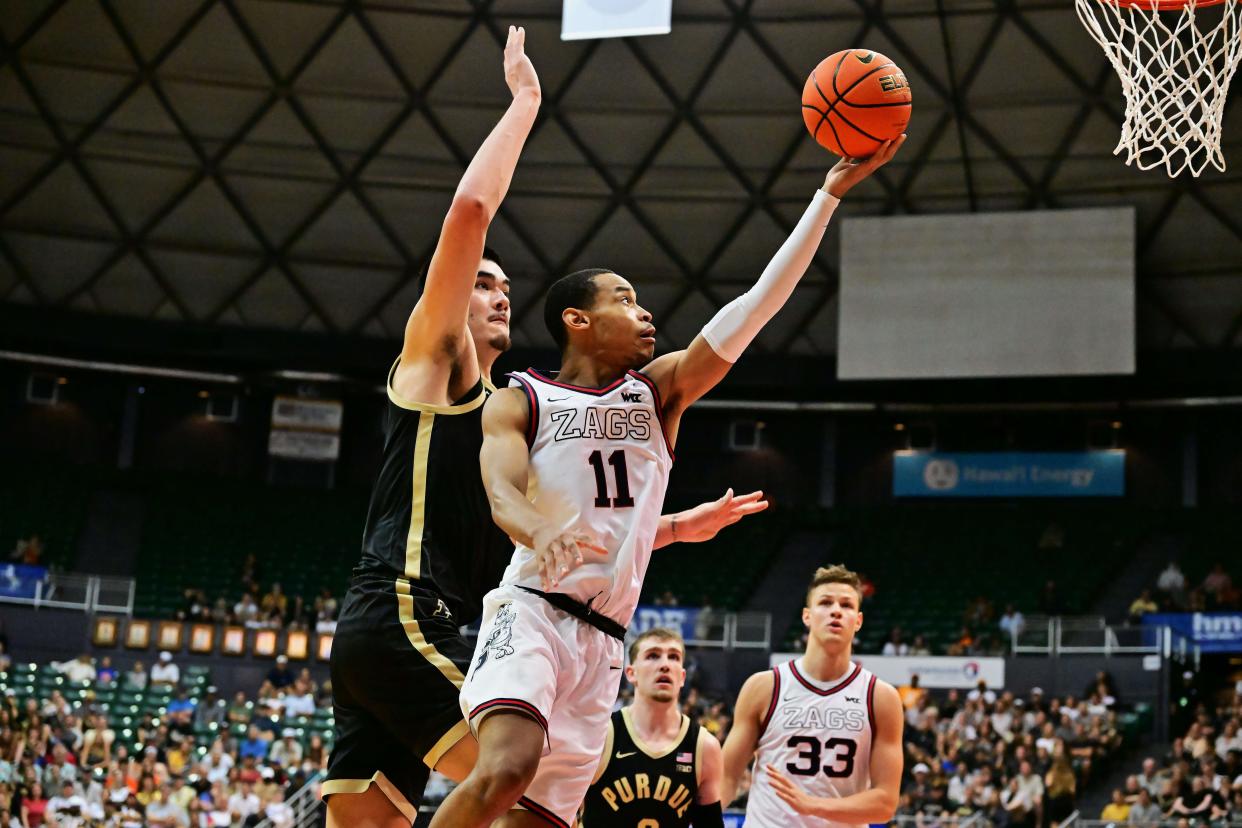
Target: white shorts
560	671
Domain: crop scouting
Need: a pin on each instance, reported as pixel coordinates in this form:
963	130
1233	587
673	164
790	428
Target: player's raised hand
519	71
559	552
849	171
794	796
703	521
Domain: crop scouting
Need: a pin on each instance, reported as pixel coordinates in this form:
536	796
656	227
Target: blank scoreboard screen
1037	293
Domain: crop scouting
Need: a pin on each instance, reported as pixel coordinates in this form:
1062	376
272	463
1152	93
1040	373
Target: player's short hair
659	634
492	256
488	253
577	290
835	574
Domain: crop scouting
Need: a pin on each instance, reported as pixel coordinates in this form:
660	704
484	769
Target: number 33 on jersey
601	463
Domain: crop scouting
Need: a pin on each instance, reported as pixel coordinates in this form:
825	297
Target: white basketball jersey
819	736
601	463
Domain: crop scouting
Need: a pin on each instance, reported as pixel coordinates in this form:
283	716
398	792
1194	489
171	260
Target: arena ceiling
286	165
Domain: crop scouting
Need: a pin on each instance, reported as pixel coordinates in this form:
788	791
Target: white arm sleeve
737	323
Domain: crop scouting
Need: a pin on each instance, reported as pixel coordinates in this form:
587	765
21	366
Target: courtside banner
1010	474
681	619
936	672
1211	632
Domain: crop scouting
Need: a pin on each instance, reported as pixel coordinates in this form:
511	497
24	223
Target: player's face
489	308
832	614
619	325
658	672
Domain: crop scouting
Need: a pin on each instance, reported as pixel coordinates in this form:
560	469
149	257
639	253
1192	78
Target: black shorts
398	662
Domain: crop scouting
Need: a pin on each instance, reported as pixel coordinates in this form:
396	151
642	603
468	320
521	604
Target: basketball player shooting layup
430	548
825	733
597	439
658	768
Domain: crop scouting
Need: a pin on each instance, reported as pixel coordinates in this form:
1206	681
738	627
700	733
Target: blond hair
660	634
835	574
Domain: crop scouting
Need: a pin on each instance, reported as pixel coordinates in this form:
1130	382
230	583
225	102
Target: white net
1175	66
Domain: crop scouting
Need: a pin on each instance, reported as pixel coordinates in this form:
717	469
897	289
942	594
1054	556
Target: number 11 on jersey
620	473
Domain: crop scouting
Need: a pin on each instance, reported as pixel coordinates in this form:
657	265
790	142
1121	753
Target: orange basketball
854	101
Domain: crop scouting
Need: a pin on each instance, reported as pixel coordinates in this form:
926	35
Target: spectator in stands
275	601
1012	623
211	711
1172	583
1197	805
288	751
220	611
278	811
960	647
68	809
326	608
981	691
136	677
1228	740
240	710
1218	585
919	647
316	755
28	551
911	694
1144	813
298	700
280	676
1031	787
244	804
165	673
5	661
181	712
1142	605
164	811
79	669
1148	779
254	745
106	674
666	599
1117	809
1061	786
97	743
247	611
895	646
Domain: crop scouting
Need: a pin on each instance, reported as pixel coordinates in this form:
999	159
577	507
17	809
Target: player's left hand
794	796
705	520
519	71
849	171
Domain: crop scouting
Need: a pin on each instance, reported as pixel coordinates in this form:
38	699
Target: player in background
430	548
658	767
824	733
598	439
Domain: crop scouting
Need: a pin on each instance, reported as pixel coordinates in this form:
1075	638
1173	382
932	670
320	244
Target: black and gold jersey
635	785
429	521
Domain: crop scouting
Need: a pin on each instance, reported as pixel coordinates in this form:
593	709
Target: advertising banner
1009	474
1212	632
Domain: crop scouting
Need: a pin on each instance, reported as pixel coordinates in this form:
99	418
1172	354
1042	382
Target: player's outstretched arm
703	521
685	376
878	803
708	810
437	324
753	701
505	464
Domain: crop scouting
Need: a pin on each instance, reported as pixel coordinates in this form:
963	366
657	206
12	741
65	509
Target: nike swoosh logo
621	755
557	399
610	667
870	57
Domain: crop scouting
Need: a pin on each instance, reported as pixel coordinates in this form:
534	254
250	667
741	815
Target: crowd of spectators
200	762
1018	762
257	608
1197	783
1174	592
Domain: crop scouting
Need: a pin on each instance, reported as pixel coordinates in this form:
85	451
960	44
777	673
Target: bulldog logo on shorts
499	639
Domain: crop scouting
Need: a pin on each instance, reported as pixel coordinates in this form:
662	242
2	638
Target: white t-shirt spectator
988	696
893	649
1012	625
279	814
218	767
285	751
165	672
295	705
69	812
242	805
76	670
166	814
1171	579
1224	744
958	786
1032	787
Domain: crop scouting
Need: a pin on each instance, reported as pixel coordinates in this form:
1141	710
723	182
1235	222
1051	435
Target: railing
1071	821
1092	635
75	591
304	803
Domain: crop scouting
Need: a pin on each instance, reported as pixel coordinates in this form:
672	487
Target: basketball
854	101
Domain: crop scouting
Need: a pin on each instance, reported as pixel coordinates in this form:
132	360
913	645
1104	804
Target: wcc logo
940	475
631	396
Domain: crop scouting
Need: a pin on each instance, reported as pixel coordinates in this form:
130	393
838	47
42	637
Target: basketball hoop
1175	66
